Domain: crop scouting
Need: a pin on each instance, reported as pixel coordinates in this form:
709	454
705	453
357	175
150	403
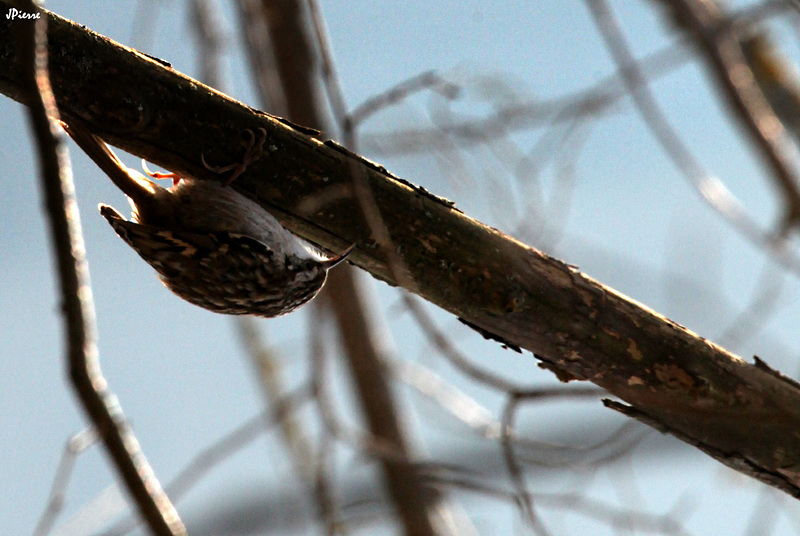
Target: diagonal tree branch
744	415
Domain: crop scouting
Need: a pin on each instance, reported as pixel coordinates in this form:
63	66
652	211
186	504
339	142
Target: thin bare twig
268	372
327	499
221	449
258	44
211	40
366	442
327	493
707	24
227	445
467	410
330	78
524	497
565	155
763	305
613	515
84	368
452	354
393	95
55	503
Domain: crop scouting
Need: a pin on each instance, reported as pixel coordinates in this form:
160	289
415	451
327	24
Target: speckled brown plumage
210	245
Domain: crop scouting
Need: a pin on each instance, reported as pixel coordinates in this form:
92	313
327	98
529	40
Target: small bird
210	245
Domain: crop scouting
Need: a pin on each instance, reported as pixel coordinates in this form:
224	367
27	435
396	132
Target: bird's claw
254	151
158	175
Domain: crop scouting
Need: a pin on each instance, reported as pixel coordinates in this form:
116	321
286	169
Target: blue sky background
632	222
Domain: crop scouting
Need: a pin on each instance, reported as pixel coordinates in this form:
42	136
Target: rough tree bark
744	415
